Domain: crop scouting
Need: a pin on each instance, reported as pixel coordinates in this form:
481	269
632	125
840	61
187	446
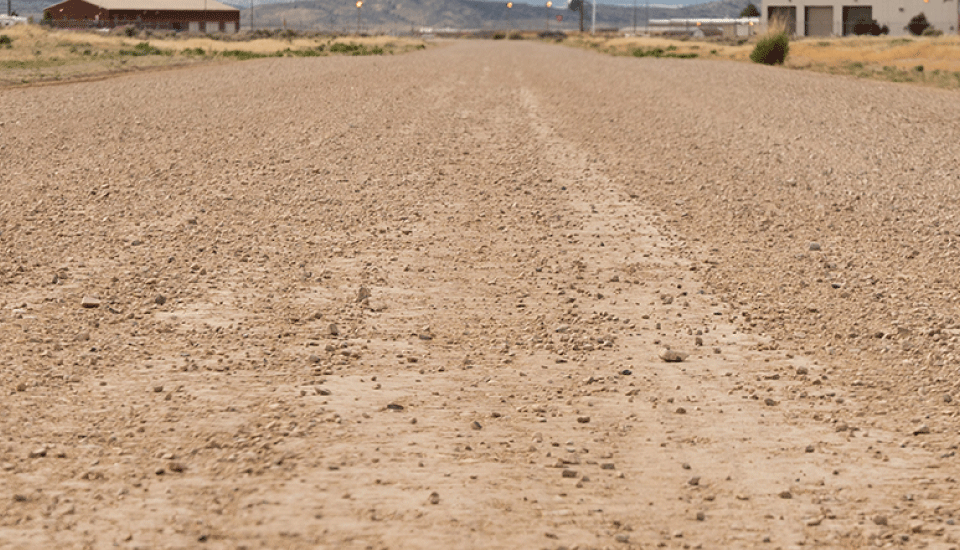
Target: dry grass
39	54
932	61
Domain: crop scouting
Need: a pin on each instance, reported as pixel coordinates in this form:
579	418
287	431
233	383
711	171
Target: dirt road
418	302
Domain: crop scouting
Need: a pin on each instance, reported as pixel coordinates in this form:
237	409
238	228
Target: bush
772	49
867	27
918	24
6	41
930	31
750	11
143	48
499	35
515	36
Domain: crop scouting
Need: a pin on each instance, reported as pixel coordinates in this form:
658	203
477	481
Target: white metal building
838	17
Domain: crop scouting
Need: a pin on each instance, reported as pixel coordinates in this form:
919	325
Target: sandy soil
419	302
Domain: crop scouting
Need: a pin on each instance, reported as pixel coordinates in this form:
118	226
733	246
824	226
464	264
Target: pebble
814	247
701	516
434	498
90	302
363	293
476	425
672	356
922	430
880	519
770	402
695	480
583	419
569	473
786	494
622	538
160	299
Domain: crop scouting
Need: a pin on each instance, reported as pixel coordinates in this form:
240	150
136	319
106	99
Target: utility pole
549	4
359	5
581	14
593	22
251	15
634	17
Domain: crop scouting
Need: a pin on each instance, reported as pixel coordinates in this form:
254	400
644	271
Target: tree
918	24
577	5
750	11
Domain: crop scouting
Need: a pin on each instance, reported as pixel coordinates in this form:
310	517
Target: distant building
10	20
182	15
841	18
701	27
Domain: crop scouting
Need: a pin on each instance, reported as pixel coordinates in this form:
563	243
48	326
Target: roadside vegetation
926	60
31	54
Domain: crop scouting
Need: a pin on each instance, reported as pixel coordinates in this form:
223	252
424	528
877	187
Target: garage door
819	21
855	14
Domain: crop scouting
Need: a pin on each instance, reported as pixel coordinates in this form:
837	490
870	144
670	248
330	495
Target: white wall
895	14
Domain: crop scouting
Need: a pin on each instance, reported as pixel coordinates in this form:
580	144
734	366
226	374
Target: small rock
695	480
681	410
622	538
21	387
177	467
363	293
434	498
395	407
672	356
157	389
38	452
770	402
880	519
607	466
922	430
786	494
569	473
90	302
476	425
810	448
701	516
333	329
583	419
160	299
814	247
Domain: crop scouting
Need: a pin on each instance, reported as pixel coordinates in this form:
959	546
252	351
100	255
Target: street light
549	5
509	7
359	5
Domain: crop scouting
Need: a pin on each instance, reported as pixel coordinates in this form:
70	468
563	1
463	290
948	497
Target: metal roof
162	5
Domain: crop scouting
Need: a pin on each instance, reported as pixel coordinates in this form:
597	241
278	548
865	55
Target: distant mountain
405	15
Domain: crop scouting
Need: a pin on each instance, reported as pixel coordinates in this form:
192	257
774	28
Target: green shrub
918	24
930	31
143	48
340	47
243	55
515	36
193	51
771	50
499	35
6	41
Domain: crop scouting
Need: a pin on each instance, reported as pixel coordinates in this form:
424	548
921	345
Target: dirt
421	302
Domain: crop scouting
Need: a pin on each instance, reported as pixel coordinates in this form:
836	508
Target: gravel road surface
424	301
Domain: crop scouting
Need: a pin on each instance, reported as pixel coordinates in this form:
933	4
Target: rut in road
399	303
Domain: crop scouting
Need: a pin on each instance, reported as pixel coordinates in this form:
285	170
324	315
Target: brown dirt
504	235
